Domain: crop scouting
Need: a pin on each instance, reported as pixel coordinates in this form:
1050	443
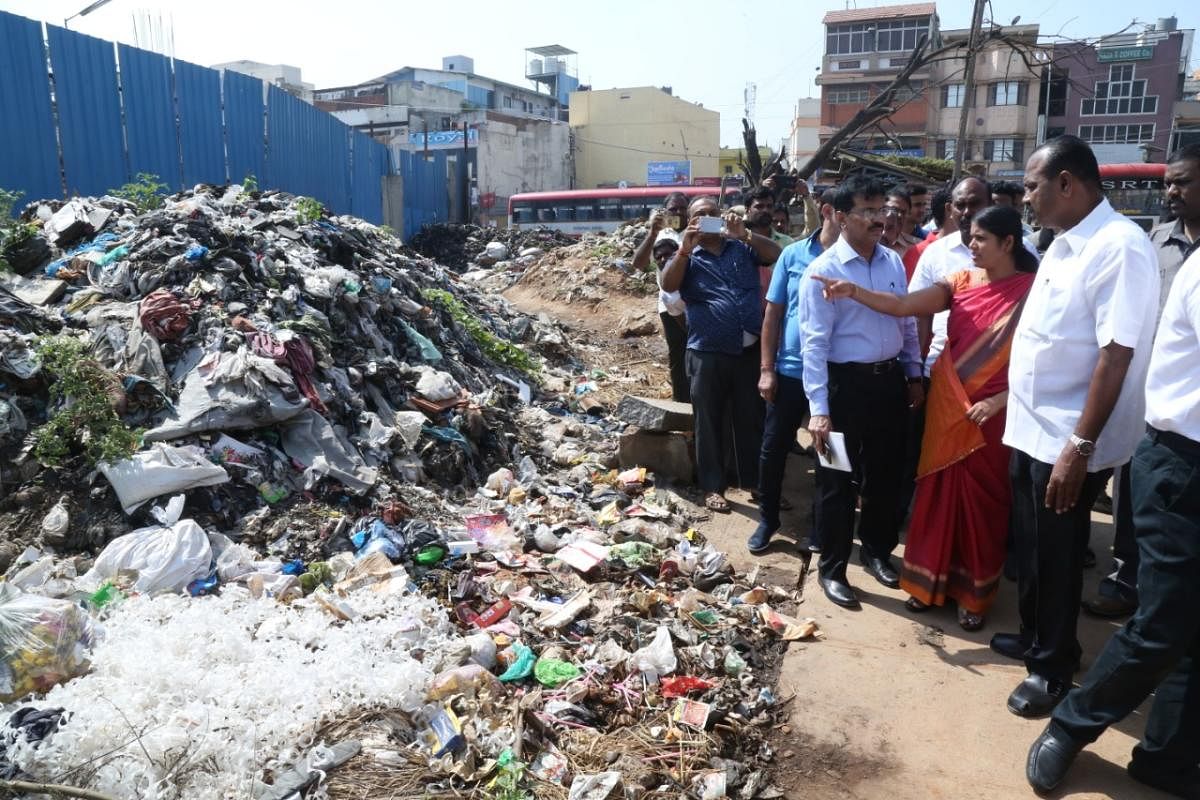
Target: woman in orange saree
956	538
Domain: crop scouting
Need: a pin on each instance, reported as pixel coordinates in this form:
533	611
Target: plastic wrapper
43	642
553	672
469	678
657	658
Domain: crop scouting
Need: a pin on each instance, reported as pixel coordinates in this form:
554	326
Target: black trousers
1049	552
912	457
675	332
1158	650
784	418
871	412
1121	583
726	407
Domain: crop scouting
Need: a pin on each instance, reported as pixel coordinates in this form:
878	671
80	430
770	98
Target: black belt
872	368
1175	441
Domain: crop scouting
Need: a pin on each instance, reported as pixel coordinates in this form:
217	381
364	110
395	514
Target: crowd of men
1102	369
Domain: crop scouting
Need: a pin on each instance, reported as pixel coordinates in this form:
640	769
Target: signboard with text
1105	54
668	173
443	140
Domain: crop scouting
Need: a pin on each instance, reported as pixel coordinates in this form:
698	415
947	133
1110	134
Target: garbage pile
366	533
589	271
460	247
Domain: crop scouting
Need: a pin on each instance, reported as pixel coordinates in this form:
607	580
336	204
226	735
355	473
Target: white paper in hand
835	456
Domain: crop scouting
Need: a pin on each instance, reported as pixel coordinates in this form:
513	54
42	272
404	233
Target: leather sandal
715	502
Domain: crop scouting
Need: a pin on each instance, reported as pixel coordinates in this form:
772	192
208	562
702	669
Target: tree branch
54	789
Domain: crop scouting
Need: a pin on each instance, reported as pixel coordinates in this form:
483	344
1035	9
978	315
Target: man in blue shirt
862	372
781	371
716	274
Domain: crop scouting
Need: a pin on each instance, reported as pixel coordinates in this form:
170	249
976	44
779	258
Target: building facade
864	51
805	135
640	136
284	76
1002	122
1120	94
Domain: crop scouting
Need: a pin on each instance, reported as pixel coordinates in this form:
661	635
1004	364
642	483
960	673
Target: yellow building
729	164
632	135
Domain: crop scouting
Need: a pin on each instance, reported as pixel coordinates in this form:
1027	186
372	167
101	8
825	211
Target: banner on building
443	140
668	173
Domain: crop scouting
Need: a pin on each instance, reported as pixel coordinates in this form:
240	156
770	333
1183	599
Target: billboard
443	140
668	173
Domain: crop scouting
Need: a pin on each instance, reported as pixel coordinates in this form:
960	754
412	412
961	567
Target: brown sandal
916	606
715	502
969	621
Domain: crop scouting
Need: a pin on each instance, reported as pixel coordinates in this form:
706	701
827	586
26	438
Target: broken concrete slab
653	414
637	324
669	455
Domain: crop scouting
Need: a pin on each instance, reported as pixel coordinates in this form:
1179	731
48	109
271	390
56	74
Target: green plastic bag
553	673
635	554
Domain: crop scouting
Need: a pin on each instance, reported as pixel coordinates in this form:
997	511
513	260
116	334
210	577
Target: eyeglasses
872	213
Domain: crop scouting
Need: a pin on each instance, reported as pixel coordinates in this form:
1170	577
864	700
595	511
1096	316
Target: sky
706	51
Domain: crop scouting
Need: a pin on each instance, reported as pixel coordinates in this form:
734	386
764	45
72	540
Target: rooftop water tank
1167	24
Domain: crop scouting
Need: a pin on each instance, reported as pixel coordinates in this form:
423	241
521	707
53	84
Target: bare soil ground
890	705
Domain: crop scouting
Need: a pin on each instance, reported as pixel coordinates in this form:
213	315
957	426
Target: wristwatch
1084	447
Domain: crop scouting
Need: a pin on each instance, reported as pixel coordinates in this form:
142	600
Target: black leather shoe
1106	607
1049	759
1186	785
760	540
1010	645
839	592
1036	696
881	570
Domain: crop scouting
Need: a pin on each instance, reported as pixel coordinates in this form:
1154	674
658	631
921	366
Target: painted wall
519	154
618	131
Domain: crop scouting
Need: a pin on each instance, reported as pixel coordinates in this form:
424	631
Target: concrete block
669	455
652	414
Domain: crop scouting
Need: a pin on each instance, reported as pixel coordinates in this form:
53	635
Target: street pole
968	89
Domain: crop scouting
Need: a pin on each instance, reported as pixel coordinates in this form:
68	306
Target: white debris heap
195	697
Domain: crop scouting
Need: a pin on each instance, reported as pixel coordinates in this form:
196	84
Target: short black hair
758	193
780	207
674	245
1005	221
674	196
1008	189
857	186
1189	152
1071	154
916	189
937	206
901	193
826	195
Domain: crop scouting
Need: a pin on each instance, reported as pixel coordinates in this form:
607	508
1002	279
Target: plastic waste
167	557
56	522
657	658
553	672
43	642
522	665
163	469
483	650
593	787
467	679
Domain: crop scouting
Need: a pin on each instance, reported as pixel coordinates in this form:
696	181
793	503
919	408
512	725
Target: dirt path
885	708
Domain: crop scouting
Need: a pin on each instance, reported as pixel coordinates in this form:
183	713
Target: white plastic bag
436	386
43	642
161	470
167	557
656	658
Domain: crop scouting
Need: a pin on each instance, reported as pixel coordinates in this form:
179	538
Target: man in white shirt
1075	406
1159	649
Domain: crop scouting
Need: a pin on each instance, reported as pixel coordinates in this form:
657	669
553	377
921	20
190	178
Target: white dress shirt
940	260
1173	384
1097	284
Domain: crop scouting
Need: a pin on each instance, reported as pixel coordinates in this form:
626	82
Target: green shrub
495	348
145	192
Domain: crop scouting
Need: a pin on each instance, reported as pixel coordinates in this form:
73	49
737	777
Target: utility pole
968	104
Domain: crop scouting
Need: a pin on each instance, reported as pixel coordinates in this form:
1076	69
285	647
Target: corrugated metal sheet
308	151
89	114
244	127
425	198
151	135
370	159
201	138
30	160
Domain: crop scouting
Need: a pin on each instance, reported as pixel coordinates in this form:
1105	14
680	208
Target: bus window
545	214
584	213
608	208
564	213
633	209
522	214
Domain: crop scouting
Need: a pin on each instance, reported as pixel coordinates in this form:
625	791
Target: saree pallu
956	540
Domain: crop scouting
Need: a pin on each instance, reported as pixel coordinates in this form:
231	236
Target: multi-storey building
864	50
1120	94
1002	112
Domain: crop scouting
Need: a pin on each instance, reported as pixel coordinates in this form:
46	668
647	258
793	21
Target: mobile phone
711	224
671	221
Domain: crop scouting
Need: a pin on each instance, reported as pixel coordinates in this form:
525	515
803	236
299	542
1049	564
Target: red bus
580	211
1135	190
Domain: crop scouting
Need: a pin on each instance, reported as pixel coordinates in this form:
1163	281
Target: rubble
402	548
654	414
461	246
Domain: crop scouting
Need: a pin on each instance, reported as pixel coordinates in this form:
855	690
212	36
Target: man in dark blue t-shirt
716	274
